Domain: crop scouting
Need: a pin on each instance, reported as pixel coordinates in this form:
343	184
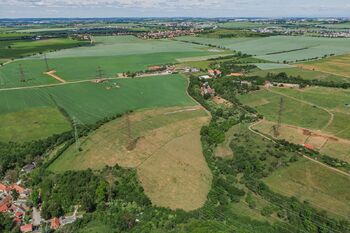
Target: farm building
235	75
27	228
205	77
214	73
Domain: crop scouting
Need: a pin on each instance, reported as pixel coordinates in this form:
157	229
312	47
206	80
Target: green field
303	73
128	45
323	188
113	54
90	102
32	124
338	65
280	48
16	49
295	112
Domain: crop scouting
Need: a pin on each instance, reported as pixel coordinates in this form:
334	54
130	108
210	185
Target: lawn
32	124
90	102
338	65
281	48
322	187
163	144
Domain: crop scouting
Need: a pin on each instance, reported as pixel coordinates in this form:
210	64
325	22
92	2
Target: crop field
90	102
323	188
32	124
128	45
281	48
164	146
16	49
113	54
303	73
338	65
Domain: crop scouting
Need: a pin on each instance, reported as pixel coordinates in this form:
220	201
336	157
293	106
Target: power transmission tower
276	128
100	73
47	63
21	72
76	134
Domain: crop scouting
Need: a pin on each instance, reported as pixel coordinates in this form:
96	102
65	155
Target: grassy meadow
323	188
32	124
297	71
338	65
172	171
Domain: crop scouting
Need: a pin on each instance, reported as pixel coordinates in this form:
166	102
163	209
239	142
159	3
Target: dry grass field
323	188
338	65
164	146
327	144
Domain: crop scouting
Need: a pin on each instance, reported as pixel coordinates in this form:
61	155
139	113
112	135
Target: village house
27	228
235	75
205	77
214	73
207	90
55	223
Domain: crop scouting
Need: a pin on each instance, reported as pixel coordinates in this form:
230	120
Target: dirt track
306	157
52	74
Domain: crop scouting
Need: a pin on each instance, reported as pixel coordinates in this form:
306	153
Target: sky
173	8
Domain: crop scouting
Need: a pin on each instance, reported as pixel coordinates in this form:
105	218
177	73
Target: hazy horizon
172	8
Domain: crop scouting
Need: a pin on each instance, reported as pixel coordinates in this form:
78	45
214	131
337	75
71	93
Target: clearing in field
32	124
323	188
162	144
338	65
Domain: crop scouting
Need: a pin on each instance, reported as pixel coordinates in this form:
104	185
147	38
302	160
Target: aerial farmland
175	125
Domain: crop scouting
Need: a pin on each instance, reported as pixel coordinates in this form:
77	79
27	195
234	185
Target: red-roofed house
235	74
308	146
55	223
17	220
18	188
4	188
4	204
214	72
27	228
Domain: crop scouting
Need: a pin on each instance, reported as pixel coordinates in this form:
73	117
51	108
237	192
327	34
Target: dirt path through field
306	157
326	72
331	115
52	73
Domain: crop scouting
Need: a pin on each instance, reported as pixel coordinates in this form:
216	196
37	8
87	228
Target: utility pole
276	128
21	72
47	63
76	134
100	73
